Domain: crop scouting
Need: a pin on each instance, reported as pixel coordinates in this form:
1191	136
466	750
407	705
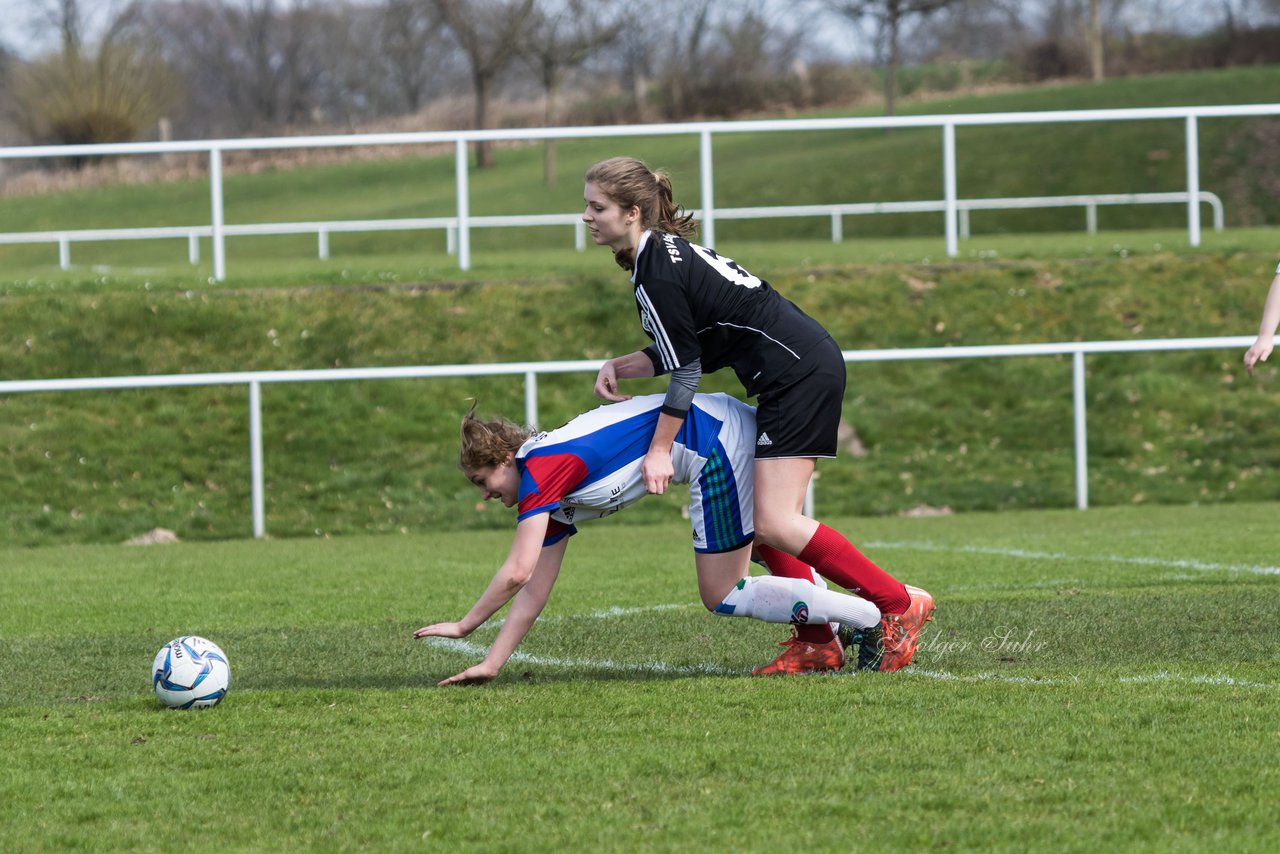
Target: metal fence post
949	186
708	203
531	399
464	205
215	204
64	253
1082	452
1193	182
255	460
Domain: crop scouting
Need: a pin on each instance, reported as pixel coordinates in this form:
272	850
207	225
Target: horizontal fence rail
836	212
530	370
703	131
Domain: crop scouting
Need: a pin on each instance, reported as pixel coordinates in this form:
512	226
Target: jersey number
727	267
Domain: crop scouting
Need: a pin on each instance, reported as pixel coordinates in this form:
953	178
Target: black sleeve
652	352
666	313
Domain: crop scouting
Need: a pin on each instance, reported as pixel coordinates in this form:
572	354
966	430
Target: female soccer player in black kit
705	312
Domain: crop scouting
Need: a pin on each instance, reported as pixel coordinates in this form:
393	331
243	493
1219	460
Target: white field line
661	667
711	669
1197	680
1169	563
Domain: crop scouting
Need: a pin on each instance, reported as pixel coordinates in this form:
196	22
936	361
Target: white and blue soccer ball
191	673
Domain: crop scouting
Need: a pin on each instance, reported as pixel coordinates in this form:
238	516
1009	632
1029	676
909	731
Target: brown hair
631	183
487	443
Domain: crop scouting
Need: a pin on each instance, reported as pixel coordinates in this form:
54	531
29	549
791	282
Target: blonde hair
631	183
487	443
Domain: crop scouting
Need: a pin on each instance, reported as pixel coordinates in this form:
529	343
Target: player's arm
657	468
1261	348
626	367
528	604
514	574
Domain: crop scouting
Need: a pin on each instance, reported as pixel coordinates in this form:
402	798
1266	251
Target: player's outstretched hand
477	674
1257	353
441	630
607	384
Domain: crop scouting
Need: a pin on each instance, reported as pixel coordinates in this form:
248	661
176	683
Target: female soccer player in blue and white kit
590	468
705	312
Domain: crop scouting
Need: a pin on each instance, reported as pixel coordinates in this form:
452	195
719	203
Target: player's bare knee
770	530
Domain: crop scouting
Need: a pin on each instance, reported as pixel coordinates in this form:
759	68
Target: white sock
792	600
821	582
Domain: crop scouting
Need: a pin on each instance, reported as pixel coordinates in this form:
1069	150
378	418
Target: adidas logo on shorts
763	441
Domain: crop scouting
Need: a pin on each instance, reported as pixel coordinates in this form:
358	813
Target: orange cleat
804	657
901	632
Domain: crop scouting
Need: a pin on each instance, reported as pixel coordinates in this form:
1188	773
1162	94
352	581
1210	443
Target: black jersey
696	304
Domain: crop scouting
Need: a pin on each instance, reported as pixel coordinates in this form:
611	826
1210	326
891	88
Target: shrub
69	98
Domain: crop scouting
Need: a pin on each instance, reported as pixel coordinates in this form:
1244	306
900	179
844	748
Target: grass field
1101	680
1094	680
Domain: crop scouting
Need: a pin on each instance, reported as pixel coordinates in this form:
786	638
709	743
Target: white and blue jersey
590	467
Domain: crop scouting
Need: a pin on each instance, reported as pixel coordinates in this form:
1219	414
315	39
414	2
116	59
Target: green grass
377	457
1093	680
372	457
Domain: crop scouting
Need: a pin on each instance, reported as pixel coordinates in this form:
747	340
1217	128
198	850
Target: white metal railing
836	212
704	131
256	379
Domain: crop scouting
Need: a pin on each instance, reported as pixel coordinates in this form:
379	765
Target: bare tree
683	63
113	89
253	65
974	29
668	50
490	33
1095	42
559	41
889	17
412	48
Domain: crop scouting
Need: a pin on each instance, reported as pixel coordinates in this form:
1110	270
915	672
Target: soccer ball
191	672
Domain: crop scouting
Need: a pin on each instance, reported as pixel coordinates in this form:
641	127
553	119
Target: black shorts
802	418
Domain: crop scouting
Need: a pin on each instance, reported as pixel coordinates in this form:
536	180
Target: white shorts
719	434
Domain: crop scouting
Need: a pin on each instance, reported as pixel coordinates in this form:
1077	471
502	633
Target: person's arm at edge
513	575
524	612
1261	348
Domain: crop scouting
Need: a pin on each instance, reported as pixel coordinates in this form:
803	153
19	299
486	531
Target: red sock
785	566
837	559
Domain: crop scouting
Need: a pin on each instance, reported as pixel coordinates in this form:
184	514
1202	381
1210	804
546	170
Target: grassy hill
751	169
379	456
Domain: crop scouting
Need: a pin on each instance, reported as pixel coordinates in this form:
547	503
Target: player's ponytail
671	217
487	443
631	183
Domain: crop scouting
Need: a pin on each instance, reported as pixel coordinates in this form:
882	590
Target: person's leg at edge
780	486
727	590
781	564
